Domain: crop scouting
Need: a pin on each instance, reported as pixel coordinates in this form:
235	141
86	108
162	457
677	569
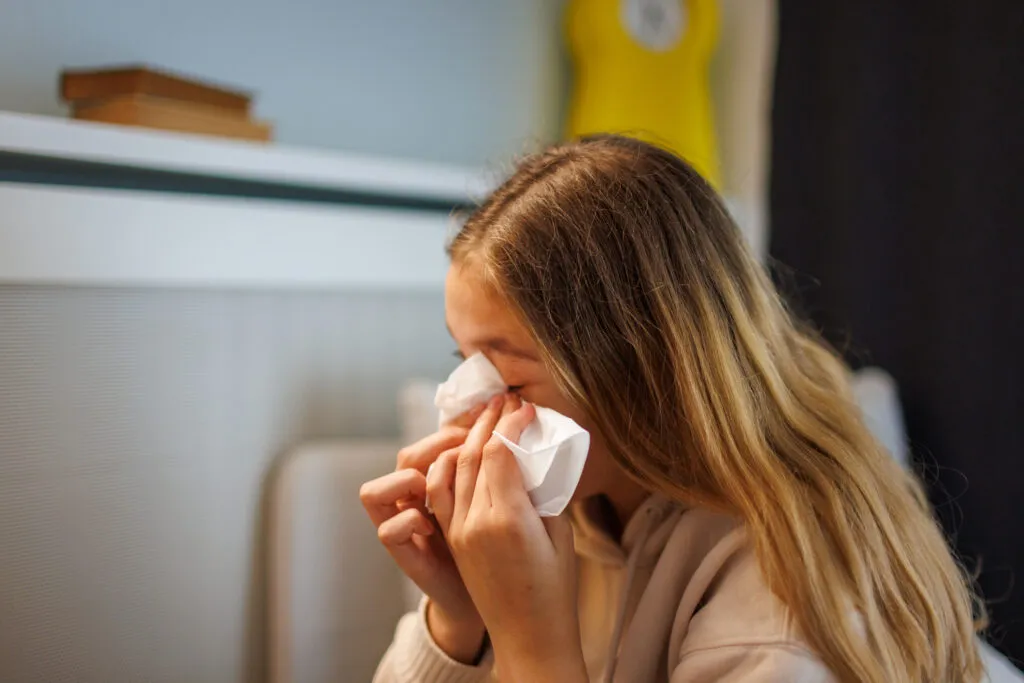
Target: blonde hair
660	324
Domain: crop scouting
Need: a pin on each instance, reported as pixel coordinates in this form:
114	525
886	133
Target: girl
735	520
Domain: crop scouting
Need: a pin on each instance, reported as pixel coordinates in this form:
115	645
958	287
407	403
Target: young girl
735	521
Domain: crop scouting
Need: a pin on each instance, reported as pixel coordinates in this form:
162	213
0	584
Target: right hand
395	504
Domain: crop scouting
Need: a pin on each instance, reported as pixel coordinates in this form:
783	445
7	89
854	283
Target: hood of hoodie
644	538
645	534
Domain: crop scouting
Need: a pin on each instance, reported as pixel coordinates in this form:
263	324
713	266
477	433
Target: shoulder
736	605
730	625
774	663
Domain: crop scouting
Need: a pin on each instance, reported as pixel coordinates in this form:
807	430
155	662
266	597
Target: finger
419	455
513	423
512	403
484	425
468	418
380	497
400	528
481	503
451	454
503	474
505	485
468	466
440	483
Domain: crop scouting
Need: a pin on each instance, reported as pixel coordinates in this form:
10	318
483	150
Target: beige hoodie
682	600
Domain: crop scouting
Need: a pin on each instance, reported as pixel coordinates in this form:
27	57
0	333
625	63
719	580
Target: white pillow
879	401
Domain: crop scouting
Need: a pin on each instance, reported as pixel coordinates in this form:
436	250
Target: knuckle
405	456
470	535
403	478
494	447
518	510
392	530
366	492
476	532
437	481
455	431
467	460
512	527
514	535
456	540
434	487
508	527
439	462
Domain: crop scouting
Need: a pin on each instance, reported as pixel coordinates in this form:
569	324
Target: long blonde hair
659	323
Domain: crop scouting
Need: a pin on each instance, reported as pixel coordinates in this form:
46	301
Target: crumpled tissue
551	451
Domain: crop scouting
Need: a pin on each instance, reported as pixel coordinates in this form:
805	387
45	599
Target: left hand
519	569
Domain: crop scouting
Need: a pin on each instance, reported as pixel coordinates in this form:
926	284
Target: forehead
475	312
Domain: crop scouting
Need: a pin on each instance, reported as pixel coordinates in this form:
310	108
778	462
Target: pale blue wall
465	81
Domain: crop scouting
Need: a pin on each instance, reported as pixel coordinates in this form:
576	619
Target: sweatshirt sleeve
751	663
414	657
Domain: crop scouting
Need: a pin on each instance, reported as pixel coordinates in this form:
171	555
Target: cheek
547	396
600	472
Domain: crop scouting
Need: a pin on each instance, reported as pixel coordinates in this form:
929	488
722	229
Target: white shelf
56	234
104	143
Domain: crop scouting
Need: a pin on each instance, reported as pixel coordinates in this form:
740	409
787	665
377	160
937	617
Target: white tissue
551	451
469	385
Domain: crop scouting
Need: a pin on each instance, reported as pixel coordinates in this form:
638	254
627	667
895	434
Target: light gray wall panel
136	431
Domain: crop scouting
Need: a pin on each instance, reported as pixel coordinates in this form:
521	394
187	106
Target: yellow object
641	69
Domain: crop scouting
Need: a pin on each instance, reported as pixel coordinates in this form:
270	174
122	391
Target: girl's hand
395	503
519	569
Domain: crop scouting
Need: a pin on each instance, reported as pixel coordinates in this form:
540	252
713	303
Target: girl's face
481	322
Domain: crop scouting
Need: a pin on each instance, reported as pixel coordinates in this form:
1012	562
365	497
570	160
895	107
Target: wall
453	80
137	429
459	81
133	464
132	469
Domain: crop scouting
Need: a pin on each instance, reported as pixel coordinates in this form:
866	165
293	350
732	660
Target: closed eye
512	388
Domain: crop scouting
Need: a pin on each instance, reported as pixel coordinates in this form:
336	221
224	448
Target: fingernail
496	401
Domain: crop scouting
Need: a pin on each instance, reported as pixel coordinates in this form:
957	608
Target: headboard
334	595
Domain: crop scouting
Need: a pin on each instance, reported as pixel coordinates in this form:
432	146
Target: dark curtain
897	219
